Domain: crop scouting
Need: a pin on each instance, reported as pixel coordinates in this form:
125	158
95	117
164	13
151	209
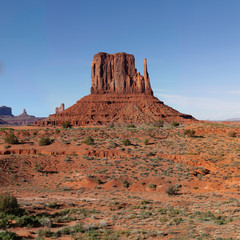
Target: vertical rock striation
116	73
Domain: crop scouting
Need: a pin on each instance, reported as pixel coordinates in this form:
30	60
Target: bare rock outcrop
5	111
116	73
22	119
60	109
119	94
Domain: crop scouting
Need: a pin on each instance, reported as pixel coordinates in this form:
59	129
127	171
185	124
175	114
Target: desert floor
161	184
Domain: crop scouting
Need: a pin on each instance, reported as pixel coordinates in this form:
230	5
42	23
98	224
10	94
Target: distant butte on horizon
7	118
119	94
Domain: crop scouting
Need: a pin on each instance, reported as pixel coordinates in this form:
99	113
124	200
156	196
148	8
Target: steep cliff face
116	73
5	111
119	94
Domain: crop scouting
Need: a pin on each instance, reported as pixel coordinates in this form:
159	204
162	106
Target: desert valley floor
125	182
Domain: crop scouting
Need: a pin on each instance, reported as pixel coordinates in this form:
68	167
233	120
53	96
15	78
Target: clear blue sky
192	47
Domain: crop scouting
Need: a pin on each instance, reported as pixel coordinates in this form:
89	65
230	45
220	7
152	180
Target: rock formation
118	94
60	109
22	119
116	73
2	122
5	111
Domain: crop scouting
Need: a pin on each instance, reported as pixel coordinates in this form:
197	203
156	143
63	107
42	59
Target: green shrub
152	185
57	131
66	124
77	228
99	181
131	125
9	204
45	233
5	129
146	141
158	123
172	190
125	183
150	154
112	145
53	205
11	139
4	223
89	140
38	167
127	142
232	133
189	133
175	124
46	222
6	235
27	221
44	141
66	230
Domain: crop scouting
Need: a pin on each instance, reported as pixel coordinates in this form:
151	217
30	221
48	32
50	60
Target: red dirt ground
122	190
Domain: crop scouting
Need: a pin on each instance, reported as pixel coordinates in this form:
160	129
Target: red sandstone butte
116	73
119	94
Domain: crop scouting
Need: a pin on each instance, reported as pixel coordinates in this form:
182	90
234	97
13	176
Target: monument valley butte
98	170
119	94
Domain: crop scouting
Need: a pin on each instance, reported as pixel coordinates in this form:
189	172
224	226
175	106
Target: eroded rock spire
148	89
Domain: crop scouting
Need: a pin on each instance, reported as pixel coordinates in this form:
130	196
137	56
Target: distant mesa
5	111
232	120
60	109
119	94
7	118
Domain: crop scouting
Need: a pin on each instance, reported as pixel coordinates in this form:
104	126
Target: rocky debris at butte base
119	94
